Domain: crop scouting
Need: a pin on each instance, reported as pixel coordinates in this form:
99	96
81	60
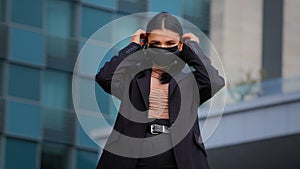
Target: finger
137	36
190	36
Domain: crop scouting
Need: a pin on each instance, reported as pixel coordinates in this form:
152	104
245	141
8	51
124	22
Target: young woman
159	86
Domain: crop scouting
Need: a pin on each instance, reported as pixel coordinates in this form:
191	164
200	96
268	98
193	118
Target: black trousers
165	160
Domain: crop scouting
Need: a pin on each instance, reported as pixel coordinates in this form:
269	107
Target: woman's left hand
190	36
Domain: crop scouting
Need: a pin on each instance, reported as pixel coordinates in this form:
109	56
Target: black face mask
163	56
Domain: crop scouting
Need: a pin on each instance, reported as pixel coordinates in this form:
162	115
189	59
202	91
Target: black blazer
190	152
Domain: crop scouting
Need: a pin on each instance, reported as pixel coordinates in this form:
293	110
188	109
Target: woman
163	90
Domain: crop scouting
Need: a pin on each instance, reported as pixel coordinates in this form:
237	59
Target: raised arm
118	66
208	79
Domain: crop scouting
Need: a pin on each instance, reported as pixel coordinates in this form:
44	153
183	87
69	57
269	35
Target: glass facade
39	43
29	12
23	119
55	156
91	22
61	28
1	10
20	154
198	12
26	46
24	82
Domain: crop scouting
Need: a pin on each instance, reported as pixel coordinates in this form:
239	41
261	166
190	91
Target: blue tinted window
132	6
28	12
55	156
23	119
56	90
112	4
56	100
59	18
60	29
171	6
1	10
83	139
20	154
92	20
1	116
3	41
24	82
58	126
2	79
26	46
86	159
197	12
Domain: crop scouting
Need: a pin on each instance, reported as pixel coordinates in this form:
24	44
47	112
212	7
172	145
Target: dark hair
165	20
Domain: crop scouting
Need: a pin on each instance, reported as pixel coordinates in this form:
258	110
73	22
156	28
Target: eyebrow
157	41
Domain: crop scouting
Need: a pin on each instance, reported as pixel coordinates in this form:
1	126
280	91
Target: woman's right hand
137	36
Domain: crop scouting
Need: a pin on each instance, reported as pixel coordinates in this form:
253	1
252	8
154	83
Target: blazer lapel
144	86
173	83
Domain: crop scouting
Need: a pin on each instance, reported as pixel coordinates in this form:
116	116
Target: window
59	18
26	46
86	159
122	27
3	41
60	28
23	119
56	100
2	79
112	4
92	20
1	116
198	12
24	82
20	154
171	6
27	12
2	10
83	139
61	46
56	90
133	6
55	156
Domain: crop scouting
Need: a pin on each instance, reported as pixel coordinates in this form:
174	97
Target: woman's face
164	38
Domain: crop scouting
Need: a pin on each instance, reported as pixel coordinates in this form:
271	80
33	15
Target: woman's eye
170	44
155	43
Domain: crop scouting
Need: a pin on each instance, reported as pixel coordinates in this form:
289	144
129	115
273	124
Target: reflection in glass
56	100
132	6
20	154
24	82
60	30
86	159
3	41
54	156
198	13
1	10
56	90
92	20
103	3
26	46
18	117
27	12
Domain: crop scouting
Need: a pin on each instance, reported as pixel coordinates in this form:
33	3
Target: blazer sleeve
208	79
116	68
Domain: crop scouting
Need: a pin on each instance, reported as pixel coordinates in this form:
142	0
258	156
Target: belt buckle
152	126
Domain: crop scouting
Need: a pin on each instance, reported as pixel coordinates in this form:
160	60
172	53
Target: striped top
158	99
